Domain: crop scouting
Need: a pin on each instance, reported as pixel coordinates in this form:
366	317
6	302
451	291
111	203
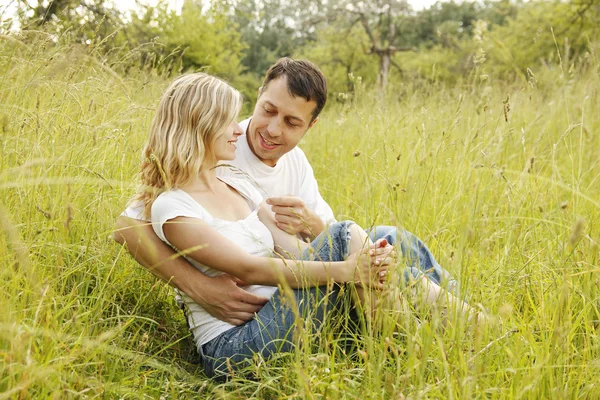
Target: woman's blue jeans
273	328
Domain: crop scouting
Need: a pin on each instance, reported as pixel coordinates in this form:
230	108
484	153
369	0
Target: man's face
279	121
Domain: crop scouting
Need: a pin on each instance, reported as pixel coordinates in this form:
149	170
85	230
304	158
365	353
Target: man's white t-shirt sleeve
309	191
135	211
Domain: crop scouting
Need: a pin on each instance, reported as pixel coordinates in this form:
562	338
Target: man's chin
268	157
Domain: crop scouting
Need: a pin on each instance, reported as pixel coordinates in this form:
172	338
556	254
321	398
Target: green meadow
501	180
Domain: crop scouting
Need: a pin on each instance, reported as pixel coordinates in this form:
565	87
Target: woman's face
225	145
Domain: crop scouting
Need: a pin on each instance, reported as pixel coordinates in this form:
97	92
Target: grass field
502	180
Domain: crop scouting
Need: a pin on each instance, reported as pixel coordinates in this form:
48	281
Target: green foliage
500	179
269	30
443	23
340	52
84	21
206	39
238	40
544	34
485	146
538	39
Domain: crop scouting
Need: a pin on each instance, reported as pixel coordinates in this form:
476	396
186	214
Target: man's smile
267	144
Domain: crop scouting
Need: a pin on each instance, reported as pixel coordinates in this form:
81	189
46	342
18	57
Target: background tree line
379	43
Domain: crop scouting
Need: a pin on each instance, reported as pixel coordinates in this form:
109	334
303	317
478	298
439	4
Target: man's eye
269	111
294	125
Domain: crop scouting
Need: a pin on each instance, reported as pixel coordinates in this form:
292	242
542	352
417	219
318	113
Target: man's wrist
190	282
315	227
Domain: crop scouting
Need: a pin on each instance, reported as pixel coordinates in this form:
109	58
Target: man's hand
224	299
294	217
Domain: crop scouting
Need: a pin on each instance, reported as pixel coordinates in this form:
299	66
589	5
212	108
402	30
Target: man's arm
221	296
286	244
305	213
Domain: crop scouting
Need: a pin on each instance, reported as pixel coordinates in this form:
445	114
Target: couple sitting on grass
240	204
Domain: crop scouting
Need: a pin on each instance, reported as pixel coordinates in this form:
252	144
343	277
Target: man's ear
313	122
259	90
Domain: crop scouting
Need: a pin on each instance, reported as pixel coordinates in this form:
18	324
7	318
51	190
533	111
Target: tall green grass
502	180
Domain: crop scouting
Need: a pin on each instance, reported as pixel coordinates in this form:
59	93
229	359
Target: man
289	103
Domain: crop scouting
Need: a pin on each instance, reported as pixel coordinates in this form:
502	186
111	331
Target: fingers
238	281
250	302
381	251
285	201
239	318
288	224
374	284
289	211
383	256
286	219
288	229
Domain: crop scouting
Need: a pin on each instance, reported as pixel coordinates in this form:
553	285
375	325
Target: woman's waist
203	325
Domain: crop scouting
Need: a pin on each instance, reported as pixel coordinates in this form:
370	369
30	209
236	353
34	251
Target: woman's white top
248	233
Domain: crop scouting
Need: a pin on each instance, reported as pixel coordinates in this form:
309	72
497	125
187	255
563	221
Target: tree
338	50
380	21
270	29
204	38
89	19
551	34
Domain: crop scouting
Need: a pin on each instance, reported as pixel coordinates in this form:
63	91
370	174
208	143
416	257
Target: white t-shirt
248	233
292	175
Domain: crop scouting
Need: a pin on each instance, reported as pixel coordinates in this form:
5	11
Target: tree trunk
384	69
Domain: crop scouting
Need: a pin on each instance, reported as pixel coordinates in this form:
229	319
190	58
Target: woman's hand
369	266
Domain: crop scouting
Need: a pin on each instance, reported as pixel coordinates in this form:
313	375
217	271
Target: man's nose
275	128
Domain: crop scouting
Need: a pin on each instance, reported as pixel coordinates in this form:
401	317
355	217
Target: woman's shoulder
172	197
177	203
245	187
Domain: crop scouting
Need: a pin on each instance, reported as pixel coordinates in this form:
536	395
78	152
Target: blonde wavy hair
193	112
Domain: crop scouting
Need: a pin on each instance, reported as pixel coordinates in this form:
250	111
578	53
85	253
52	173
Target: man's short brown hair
304	79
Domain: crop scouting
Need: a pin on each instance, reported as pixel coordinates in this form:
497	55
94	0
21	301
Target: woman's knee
358	238
332	244
389	233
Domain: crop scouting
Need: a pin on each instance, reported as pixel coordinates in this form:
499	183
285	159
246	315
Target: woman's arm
287	245
221	297
207	246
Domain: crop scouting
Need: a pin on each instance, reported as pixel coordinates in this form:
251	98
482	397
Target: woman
223	226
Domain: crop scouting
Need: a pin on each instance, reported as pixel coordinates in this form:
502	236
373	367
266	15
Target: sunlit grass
511	207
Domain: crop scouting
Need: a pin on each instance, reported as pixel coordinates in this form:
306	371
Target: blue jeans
273	328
